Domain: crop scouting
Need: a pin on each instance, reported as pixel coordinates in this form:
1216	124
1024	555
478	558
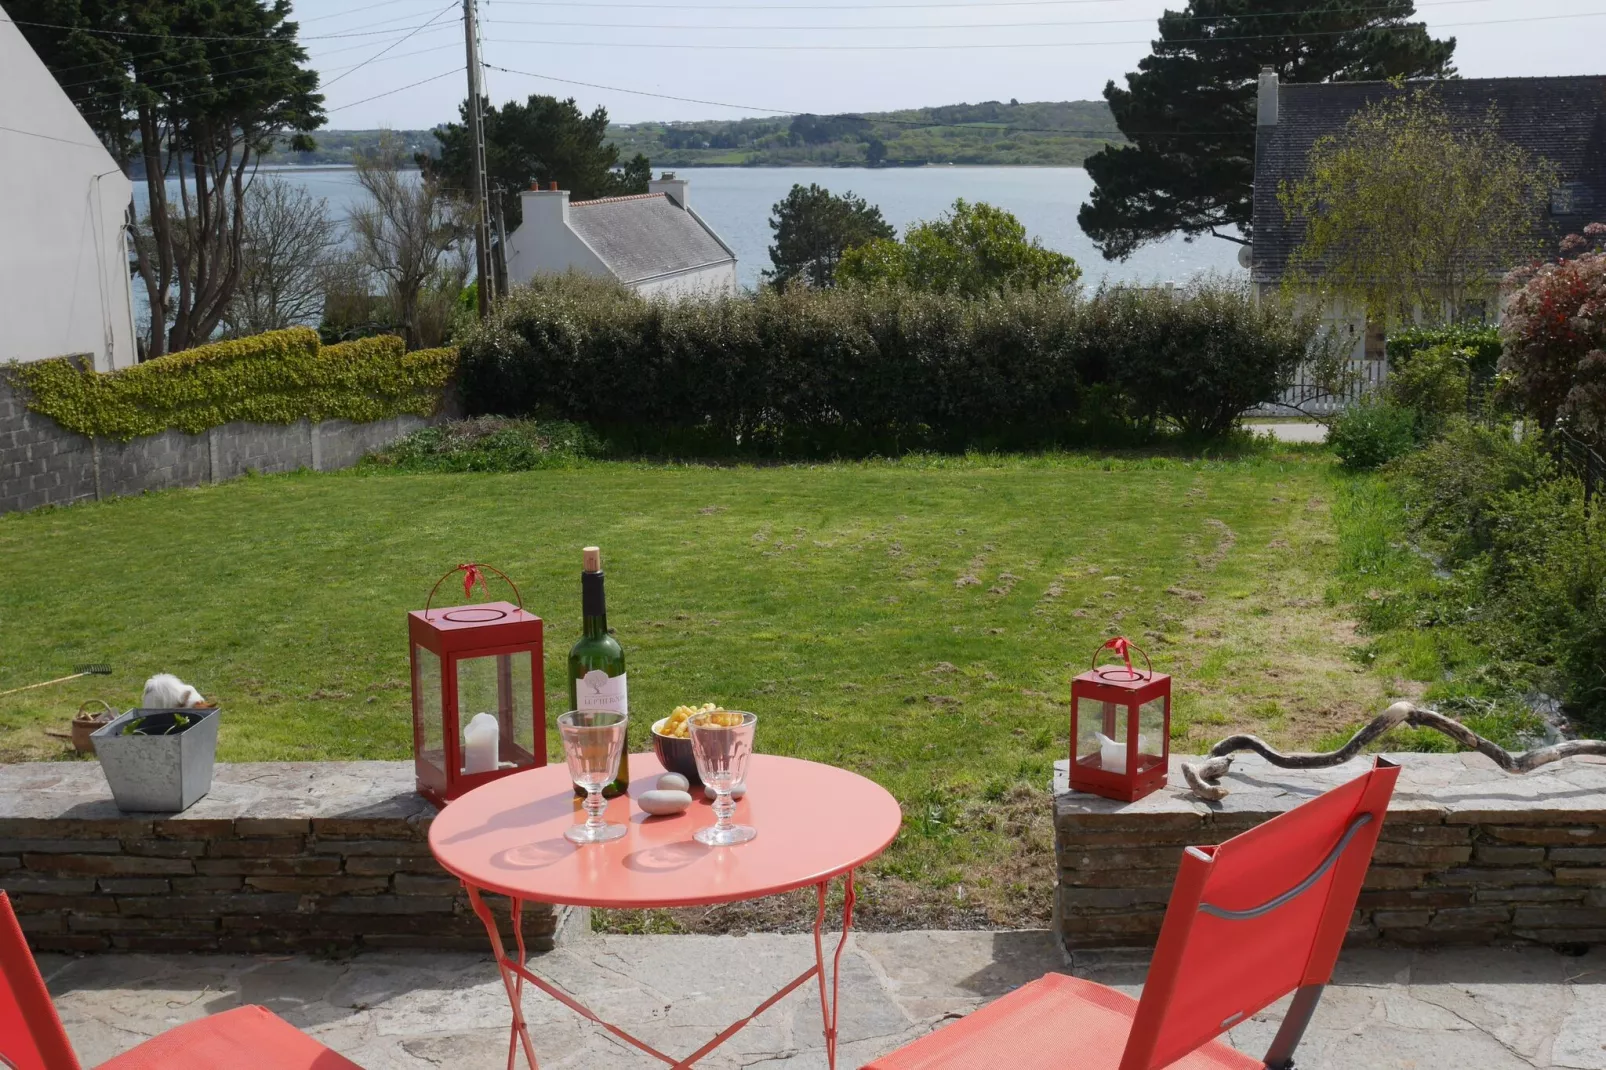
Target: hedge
833	370
1481	343
277	377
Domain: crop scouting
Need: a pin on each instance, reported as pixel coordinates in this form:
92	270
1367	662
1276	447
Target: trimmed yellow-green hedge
276	378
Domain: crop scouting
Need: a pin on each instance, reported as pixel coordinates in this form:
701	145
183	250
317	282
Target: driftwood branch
1203	777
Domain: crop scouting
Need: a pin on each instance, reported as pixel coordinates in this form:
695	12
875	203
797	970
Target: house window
1570	198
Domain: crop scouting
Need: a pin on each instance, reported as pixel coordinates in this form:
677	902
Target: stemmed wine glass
593	741
722	742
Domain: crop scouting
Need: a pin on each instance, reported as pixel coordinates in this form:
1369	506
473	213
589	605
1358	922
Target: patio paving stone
1446	1009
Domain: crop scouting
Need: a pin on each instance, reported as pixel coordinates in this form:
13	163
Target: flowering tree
1555	336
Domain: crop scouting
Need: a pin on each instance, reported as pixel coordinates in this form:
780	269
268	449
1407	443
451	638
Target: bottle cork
593	559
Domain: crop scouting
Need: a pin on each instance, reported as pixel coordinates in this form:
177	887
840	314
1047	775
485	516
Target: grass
1408	610
917	621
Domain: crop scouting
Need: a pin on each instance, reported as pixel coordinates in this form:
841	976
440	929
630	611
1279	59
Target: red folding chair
1260	916
246	1038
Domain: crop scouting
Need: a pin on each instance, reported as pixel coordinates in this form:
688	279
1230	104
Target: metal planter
161	773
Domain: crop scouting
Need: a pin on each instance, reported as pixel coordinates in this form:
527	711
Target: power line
1103	134
449	7
1225	38
47	137
976	25
288	39
398	89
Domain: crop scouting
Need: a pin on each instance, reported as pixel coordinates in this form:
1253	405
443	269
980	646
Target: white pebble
736	793
673	782
662	802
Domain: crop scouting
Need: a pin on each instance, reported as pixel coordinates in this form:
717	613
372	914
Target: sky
399	63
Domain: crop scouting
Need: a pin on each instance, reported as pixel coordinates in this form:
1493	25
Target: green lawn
916	621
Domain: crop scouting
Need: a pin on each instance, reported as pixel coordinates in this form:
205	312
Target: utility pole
476	131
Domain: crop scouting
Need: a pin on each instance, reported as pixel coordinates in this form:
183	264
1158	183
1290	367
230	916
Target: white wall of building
710	281
64	284
559	250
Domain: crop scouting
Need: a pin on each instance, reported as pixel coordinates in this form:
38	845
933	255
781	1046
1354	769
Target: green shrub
1434	383
277	377
1543	587
490	444
1480	343
1372	432
1452	485
878	369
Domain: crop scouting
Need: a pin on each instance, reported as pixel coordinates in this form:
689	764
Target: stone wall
43	463
1468	855
314	856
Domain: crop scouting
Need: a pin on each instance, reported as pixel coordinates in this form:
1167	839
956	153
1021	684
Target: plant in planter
159	760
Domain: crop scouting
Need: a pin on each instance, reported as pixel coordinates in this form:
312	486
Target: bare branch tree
409	234
289	239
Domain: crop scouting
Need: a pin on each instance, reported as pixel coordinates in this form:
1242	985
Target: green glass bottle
597	664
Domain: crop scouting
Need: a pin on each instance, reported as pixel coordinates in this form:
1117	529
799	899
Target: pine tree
540	141
1189	108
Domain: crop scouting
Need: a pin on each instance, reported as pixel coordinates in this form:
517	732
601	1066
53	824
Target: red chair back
31	1036
1257	917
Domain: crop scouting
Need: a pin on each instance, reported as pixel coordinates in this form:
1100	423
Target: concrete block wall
43	463
329	857
1468	855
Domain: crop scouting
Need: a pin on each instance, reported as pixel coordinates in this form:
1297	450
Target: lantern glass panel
1094	718
427	711
1152	733
501	685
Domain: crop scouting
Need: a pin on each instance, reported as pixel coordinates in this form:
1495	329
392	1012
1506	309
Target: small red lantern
1120	727
479	668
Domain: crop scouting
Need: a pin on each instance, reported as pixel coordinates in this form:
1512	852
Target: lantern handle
1123	646
471	576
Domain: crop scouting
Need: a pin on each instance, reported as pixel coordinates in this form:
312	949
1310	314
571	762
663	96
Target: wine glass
722	742
593	740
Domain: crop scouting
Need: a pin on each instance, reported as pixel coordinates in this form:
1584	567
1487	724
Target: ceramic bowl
674	753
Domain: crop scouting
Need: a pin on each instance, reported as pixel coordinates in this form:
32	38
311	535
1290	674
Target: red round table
815	822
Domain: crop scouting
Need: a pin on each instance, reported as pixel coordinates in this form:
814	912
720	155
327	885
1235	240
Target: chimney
672	187
545	210
1266	104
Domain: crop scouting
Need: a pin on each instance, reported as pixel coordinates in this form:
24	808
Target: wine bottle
597	664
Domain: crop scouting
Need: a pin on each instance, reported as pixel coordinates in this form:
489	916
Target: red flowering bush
1555	336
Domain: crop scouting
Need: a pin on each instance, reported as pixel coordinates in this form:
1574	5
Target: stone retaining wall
314	856
43	463
1469	854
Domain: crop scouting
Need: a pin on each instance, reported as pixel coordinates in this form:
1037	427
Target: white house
63	202
652	242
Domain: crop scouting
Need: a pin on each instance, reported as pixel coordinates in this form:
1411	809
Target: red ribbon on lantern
472	575
1121	646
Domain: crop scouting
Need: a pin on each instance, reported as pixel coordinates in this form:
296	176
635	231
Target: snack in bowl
671	742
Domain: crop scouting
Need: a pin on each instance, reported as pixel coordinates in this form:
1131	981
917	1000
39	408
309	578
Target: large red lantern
476	669
1120	727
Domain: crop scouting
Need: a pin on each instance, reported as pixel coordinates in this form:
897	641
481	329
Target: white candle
481	744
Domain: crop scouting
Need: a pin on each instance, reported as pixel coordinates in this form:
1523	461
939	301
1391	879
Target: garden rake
82	670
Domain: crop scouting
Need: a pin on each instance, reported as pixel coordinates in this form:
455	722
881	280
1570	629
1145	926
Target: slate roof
646	236
1560	119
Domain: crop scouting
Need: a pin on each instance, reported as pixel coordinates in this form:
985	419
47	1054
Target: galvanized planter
163	773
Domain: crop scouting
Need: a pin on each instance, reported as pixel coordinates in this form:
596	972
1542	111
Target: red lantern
1120	727
468	661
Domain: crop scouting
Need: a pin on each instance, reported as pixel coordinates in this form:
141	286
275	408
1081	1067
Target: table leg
829	1006
515	991
515	973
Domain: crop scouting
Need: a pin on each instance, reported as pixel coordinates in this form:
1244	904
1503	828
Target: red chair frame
32	1037
1238	935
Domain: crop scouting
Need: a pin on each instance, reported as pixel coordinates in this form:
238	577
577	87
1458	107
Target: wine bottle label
596	690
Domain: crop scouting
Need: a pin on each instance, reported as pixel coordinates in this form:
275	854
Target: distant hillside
338	146
1063	133
1059	133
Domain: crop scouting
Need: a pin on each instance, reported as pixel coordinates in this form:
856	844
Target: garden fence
1582	459
1307	397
